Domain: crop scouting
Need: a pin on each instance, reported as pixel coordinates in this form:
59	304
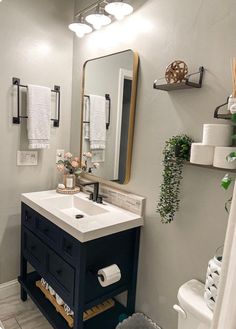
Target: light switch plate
27	158
60	155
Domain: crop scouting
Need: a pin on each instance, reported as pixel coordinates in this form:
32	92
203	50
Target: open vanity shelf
182	85
209	167
110	317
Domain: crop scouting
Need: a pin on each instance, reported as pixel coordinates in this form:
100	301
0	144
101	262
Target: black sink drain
79	216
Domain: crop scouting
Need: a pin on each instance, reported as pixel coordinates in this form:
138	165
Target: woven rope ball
176	72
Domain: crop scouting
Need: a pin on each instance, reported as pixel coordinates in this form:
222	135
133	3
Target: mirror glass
109	97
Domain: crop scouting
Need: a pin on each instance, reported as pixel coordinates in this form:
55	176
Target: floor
14	314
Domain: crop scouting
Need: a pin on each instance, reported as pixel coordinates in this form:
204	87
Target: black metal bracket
199	84
108	99
17	119
226	116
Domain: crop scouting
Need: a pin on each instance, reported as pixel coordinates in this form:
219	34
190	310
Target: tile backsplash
122	199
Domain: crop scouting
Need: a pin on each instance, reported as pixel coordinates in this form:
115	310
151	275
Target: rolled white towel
68	310
202	154
217	134
59	300
52	291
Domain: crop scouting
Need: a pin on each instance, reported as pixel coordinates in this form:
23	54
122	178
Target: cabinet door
63	276
34	250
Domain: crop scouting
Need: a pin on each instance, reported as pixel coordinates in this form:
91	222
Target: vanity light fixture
119	9
80	28
98	19
99	14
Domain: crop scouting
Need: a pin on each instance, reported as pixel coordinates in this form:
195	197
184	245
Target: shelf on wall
209	167
182	85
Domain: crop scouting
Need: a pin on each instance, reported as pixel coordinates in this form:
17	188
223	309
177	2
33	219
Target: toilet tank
193	312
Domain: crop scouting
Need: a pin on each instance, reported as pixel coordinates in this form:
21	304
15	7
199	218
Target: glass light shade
119	9
80	28
98	20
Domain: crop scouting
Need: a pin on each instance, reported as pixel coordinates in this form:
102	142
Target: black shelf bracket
17	119
226	116
186	84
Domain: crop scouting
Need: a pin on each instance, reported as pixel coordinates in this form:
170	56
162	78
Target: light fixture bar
91	7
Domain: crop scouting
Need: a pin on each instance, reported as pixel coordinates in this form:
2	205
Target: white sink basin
72	205
97	220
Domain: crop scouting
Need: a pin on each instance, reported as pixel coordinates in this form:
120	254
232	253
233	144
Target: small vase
69	181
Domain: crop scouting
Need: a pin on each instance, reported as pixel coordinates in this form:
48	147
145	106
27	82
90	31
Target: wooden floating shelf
182	85
89	314
209	167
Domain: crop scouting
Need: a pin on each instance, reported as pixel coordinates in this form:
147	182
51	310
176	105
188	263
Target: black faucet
95	195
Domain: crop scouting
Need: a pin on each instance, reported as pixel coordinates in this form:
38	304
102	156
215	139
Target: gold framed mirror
109	90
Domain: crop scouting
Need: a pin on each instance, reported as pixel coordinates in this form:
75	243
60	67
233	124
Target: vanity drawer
28	217
34	250
64	276
47	231
69	247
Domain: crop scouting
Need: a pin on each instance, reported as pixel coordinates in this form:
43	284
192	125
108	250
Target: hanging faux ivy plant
176	151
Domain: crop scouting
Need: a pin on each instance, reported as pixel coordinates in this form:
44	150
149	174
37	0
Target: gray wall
36	46
201	33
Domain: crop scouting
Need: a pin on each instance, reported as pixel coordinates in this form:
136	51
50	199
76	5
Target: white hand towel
39	116
97	122
86	117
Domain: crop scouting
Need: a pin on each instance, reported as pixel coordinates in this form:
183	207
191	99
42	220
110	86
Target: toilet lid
191	299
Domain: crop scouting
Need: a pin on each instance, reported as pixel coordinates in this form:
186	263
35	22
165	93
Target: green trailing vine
176	151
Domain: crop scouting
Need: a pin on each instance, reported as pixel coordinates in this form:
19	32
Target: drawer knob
27	217
68	248
59	272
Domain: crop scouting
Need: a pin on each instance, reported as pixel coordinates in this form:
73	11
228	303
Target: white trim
9	284
123	74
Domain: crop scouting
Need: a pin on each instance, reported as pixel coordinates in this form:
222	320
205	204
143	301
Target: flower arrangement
87	164
69	165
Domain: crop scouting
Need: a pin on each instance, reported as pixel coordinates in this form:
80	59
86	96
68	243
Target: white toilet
192	309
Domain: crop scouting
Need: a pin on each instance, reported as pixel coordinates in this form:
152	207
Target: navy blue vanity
70	267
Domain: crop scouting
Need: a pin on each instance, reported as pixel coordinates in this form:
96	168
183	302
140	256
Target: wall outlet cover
27	158
60	155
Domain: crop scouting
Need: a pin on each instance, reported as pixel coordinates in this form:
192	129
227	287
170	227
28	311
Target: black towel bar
16	119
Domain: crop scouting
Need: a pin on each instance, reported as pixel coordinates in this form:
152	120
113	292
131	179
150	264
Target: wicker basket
213	279
138	321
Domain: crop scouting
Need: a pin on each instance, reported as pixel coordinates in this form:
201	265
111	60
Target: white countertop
104	219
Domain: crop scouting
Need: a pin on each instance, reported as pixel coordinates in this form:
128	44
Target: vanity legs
23	268
80	290
132	287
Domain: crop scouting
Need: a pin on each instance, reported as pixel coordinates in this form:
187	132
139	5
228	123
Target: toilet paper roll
217	134
109	275
220	155
232	104
202	154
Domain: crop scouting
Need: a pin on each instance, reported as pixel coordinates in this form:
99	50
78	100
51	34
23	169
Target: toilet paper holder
226	116
95	273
